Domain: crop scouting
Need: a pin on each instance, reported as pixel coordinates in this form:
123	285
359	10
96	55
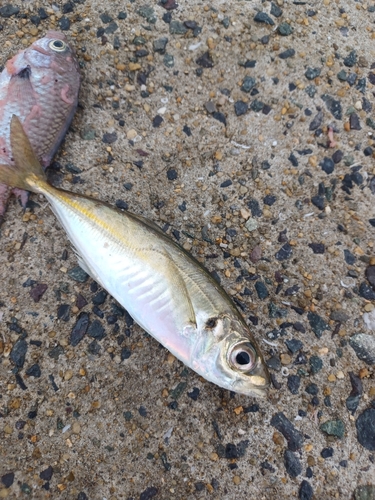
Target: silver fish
167	292
40	85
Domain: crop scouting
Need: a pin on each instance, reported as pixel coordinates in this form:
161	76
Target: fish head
229	357
52	51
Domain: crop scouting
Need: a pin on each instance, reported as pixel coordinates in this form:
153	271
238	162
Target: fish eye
242	357
57	45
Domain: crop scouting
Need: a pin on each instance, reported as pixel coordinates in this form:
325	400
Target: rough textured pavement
245	130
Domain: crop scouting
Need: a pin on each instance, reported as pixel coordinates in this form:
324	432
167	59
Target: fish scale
166	291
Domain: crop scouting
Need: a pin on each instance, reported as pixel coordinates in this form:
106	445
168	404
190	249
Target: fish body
39	85
165	290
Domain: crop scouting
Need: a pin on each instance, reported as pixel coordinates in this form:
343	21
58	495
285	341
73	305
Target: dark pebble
194	394
326	452
122	15
56	352
226	183
109	137
20	382
99	298
187	130
34	371
292	464
287	429
318	325
42	13
274	363
63	312
317	248
305	491
7	479
334	428
349	257
240	107
312	73
294	382
299	327
46	474
64	23
284	253
327	165
96	310
9	10
333	106
319	201
200	486
254	408
94	348
352	401
351	59
365	425
160	44
171	174
96	330
294	345
220	117
285	29
293	160
122	205
36	293
248	84
177	28
366	491
255	209
370	275
354	122
263	17
275	10
366	291
261	289
79	329
343	463
205	60
149	493
337	156
142	411
368	151
157	121
269	200
125	353
372	222
18	353
105	18
339	316
317	121
167	17
78	274
316	364
327	401
364	347
312	389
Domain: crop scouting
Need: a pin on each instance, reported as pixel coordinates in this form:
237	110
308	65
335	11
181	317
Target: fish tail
27	172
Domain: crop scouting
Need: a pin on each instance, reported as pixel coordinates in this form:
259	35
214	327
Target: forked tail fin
27	173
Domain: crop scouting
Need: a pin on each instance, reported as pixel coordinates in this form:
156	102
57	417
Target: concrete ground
248	136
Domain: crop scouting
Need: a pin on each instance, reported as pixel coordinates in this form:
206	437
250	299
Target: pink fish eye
57	45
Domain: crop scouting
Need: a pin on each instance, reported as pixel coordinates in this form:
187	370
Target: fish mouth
254	383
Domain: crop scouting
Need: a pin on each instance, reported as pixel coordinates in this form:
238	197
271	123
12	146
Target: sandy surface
118	417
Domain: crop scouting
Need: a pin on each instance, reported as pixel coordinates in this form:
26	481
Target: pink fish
40	85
